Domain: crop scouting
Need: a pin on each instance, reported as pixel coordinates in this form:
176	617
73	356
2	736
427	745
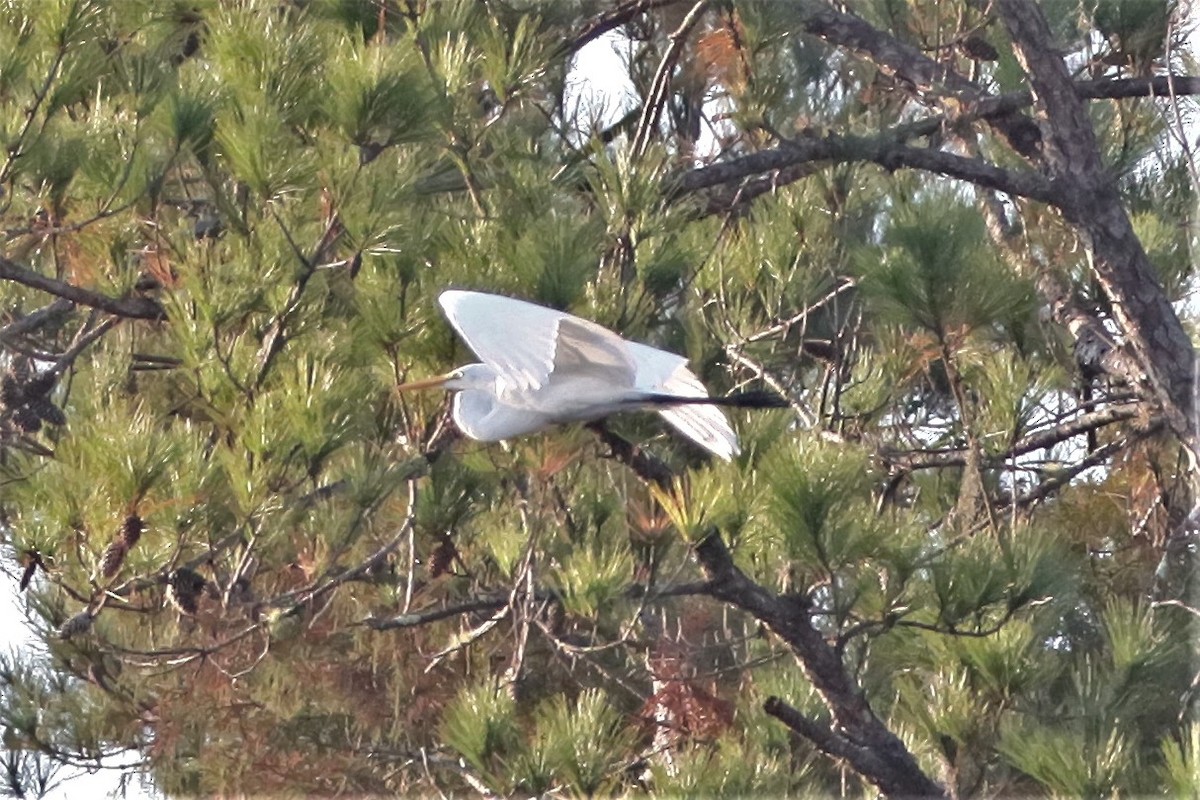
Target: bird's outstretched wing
528	343
660	372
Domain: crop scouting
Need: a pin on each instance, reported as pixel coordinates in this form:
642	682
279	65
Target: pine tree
954	236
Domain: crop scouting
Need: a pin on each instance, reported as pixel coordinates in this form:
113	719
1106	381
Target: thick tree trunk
1088	199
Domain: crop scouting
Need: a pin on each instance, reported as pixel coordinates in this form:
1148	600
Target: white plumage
543	367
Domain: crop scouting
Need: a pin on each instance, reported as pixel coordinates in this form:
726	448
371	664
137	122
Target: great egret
543	367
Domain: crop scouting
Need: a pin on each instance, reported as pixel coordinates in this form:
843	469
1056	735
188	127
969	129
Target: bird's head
469	376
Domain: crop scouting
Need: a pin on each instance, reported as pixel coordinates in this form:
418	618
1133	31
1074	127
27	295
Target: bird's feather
706	426
581	346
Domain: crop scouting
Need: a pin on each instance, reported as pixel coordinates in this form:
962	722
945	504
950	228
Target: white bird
543	367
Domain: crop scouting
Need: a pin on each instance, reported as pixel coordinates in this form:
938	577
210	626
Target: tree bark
1089	200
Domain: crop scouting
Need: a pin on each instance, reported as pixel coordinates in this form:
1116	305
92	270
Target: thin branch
46	315
1037	440
83	341
17	148
496	601
1094	459
801	317
1176	604
276	336
653	106
734	354
418	618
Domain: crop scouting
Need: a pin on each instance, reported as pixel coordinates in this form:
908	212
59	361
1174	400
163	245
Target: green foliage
480	727
710	501
816	489
580	744
731	768
592	581
381	96
1010	390
1099	750
936	274
1180	770
583	742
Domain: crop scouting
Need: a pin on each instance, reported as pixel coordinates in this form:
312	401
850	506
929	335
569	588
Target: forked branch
856	734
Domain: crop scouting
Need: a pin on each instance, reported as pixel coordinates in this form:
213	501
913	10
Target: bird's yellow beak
428	383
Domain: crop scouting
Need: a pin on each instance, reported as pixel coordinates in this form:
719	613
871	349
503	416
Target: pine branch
882	150
419	618
1164	86
496	601
647	467
47	315
1099	456
127	307
754	183
930	81
734	201
826	740
863	740
276	336
611	20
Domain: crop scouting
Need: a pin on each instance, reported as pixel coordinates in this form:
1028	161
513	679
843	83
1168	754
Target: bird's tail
754	398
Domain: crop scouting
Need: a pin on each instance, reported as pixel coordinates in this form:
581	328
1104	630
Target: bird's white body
543	367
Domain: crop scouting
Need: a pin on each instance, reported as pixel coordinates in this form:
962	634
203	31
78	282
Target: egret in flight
543	367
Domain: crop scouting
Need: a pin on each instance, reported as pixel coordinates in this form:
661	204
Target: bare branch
127	307
883	150
1165	86
1047	437
54	312
611	20
496	601
1048	487
648	467
930	81
823	737
653	105
418	618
